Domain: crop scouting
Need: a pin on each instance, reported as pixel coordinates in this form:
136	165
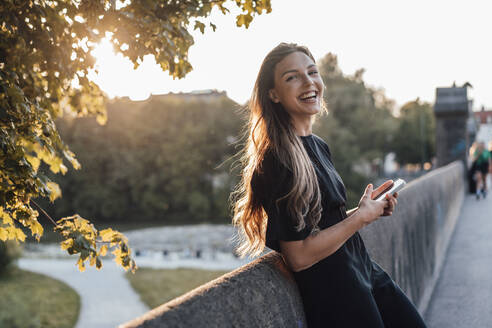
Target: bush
9	251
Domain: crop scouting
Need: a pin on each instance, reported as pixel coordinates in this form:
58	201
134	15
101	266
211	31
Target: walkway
107	298
463	294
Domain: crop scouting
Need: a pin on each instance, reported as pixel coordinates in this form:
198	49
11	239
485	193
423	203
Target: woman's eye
290	78
313	72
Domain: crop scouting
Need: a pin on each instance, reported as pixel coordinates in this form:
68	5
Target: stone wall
260	294
410	245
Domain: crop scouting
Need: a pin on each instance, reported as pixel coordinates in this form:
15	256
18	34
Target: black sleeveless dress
347	288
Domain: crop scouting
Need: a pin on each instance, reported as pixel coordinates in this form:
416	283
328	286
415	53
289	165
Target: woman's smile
309	97
298	87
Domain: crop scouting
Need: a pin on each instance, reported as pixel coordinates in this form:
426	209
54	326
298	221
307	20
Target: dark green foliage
415	140
9	251
154	160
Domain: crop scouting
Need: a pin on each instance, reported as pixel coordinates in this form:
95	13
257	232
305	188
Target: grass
157	286
31	300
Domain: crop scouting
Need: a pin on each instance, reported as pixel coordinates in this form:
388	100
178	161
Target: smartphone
395	187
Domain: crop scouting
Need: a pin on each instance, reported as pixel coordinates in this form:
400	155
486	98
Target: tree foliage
162	160
45	58
415	140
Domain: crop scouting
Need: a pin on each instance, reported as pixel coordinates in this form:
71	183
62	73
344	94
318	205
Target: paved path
107	298
463	294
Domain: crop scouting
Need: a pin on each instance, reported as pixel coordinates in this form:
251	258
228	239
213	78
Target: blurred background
161	169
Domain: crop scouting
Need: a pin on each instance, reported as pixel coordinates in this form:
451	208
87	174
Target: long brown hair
270	129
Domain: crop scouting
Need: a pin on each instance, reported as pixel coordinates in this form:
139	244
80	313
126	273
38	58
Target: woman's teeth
308	95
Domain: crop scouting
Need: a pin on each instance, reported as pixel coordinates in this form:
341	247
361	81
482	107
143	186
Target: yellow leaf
93	261
75	163
248	5
66	244
119	261
34	161
53	162
101	119
4	235
70	156
240	20
21	236
6	218
103	250
117	252
63	168
106	234
55	191
36	229
81	265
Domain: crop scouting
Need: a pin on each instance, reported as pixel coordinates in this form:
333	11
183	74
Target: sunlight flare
116	76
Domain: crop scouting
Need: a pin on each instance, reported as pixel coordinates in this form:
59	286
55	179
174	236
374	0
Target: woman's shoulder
271	164
270	170
320	142
271	179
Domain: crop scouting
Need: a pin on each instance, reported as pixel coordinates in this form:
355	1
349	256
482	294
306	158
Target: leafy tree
45	57
415	140
160	160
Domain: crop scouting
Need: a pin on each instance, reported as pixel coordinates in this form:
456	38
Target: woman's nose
307	79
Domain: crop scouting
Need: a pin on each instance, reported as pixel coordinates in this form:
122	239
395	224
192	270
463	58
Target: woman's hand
301	254
370	210
390	207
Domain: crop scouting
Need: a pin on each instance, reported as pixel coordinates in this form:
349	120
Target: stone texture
260	294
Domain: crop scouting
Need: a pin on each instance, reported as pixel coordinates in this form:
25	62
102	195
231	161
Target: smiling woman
292	200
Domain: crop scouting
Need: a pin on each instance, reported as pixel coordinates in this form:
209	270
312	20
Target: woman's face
298	86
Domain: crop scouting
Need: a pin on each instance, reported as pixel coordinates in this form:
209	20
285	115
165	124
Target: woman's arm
352	211
302	254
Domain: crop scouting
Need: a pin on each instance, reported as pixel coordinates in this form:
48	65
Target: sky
407	48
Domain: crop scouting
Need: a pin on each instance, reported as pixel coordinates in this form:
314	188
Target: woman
292	200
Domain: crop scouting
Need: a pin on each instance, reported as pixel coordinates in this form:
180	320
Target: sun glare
116	76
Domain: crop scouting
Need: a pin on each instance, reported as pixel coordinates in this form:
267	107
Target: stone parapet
411	244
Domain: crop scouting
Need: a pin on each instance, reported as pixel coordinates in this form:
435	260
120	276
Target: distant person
292	200
481	163
490	151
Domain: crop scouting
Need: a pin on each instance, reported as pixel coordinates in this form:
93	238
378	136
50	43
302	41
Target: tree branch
44	212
